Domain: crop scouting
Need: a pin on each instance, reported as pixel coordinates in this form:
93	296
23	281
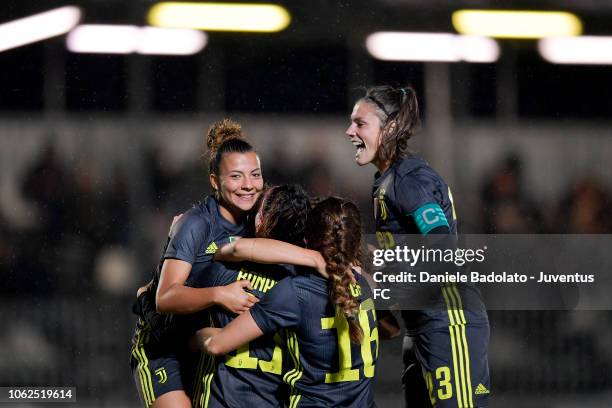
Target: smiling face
364	133
238	184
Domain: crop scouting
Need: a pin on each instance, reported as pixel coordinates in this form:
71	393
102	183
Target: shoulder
199	216
415	178
361	289
278	308
193	220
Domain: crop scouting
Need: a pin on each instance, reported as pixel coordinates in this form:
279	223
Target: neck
381	166
234	216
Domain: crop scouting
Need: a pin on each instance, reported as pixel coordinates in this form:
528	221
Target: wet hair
334	229
398	111
224	137
285	210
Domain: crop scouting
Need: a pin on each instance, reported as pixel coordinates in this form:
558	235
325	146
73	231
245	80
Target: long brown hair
398	111
334	229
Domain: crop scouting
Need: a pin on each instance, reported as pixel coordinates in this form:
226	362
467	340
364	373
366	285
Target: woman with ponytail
161	364
411	198
330	325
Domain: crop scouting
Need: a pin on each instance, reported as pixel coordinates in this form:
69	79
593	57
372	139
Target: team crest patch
161	373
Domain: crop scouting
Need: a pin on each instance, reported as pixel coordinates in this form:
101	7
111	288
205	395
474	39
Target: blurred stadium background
99	150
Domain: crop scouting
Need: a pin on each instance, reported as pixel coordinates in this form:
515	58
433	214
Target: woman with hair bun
329	323
162	366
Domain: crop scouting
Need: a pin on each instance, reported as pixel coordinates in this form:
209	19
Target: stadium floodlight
126	39
171	41
517	24
577	50
220	16
99	38
441	47
38	27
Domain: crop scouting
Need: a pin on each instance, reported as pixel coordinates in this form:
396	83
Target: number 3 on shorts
445	388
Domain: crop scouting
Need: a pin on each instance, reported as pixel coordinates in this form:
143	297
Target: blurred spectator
173	185
506	207
36	259
46	184
276	171
586	209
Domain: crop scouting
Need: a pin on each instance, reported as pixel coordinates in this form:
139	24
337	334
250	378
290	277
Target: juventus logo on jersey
380	207
161	372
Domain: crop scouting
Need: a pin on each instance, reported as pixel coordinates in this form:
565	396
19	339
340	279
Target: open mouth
359	145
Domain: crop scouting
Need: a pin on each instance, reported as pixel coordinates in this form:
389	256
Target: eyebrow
251	171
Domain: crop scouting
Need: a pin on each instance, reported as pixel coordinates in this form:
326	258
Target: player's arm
271	251
279	308
174	297
240	331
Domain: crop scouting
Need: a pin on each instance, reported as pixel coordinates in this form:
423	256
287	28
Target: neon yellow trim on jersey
294	399
454	348
205	374
468	375
197	386
147	393
292	376
140	351
459	341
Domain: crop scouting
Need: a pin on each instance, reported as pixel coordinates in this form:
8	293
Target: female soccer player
330	324
444	347
160	360
251	376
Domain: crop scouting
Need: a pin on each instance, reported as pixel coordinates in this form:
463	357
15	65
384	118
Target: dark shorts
413	383
155	376
454	365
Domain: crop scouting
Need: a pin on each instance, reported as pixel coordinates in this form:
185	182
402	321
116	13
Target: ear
387	130
214	181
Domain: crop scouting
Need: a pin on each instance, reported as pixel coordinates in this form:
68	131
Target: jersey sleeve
279	308
416	200
188	238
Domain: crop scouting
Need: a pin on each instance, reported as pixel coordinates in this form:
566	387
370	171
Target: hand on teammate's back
235	298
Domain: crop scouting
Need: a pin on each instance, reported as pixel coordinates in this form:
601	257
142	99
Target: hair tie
403	91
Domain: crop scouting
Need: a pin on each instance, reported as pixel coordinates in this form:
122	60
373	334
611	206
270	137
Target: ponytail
334	229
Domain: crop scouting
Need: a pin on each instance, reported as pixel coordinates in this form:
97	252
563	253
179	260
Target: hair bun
221	132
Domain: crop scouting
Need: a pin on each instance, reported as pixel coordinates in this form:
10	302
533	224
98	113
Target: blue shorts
159	368
455	365
157	376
